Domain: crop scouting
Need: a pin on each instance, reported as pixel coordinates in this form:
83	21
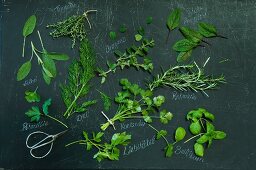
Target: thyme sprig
185	77
72	27
130	59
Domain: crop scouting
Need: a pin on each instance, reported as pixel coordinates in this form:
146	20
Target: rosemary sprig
185	77
80	73
72	27
129	59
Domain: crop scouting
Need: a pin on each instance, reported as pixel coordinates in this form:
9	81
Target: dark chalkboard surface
233	104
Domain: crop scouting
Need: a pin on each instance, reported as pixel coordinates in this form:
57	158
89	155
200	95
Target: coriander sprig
72	27
130	59
137	103
105	150
201	126
186	77
180	133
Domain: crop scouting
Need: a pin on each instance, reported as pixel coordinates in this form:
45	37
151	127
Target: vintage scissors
48	140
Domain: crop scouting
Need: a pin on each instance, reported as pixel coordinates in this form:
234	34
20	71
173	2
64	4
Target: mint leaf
173	19
191	35
184	45
207	30
184	56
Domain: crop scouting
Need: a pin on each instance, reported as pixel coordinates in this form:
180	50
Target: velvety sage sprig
130	59
73	27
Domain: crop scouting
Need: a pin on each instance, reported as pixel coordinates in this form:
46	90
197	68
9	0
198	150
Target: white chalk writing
30	81
28	126
110	48
81	117
125	126
187	153
185	95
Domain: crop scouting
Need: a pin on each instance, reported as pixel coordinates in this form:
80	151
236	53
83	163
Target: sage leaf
47	79
195	128
24	70
219	135
184	45
168	150
29	26
184	56
173	19
191	35
180	133
207	30
57	56
49	65
199	149
138	37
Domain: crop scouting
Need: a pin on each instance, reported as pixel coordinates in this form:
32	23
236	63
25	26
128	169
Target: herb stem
33	49
57	120
158	132
40	39
193	137
23	48
78	141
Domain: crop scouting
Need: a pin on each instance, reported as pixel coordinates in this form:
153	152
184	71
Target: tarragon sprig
72	27
130	59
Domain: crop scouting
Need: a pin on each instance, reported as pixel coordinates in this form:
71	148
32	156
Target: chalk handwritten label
30	81
114	46
188	153
183	95
63	9
29	126
81	117
124	126
139	146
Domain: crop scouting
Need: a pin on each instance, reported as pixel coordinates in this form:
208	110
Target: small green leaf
85	134
184	45
184	56
165	116
174	19
46	105
209	127
207	30
32	96
168	150
123	28
161	133
141	31
219	135
33	114
147	119
57	56
49	65
47	79
191	35
24	71
149	20
203	139
138	37
158	101
88	146
195	128
112	35
199	149
209	115
29	26
106	101
180	133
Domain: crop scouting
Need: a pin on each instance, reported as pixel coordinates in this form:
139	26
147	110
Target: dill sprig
80	73
185	77
72	27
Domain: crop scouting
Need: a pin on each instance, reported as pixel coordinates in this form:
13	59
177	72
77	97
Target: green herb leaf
161	133
32	96
174	19
168	150
33	114
159	100
209	127
112	35
184	56
180	133
203	139
29	26
106	101
49	65
46	105
24	71
47	79
138	37
191	35
195	128
207	30
209	115
184	45
149	20
141	31
120	139
199	149
57	56
165	116
147	119
123	28
219	135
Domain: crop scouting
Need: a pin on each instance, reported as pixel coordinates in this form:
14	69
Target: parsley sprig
105	150
137	103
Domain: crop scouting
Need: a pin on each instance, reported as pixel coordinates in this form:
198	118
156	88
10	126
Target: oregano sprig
130	59
202	128
110	150
73	27
81	71
137	103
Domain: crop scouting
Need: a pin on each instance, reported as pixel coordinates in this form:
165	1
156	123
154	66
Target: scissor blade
61	133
